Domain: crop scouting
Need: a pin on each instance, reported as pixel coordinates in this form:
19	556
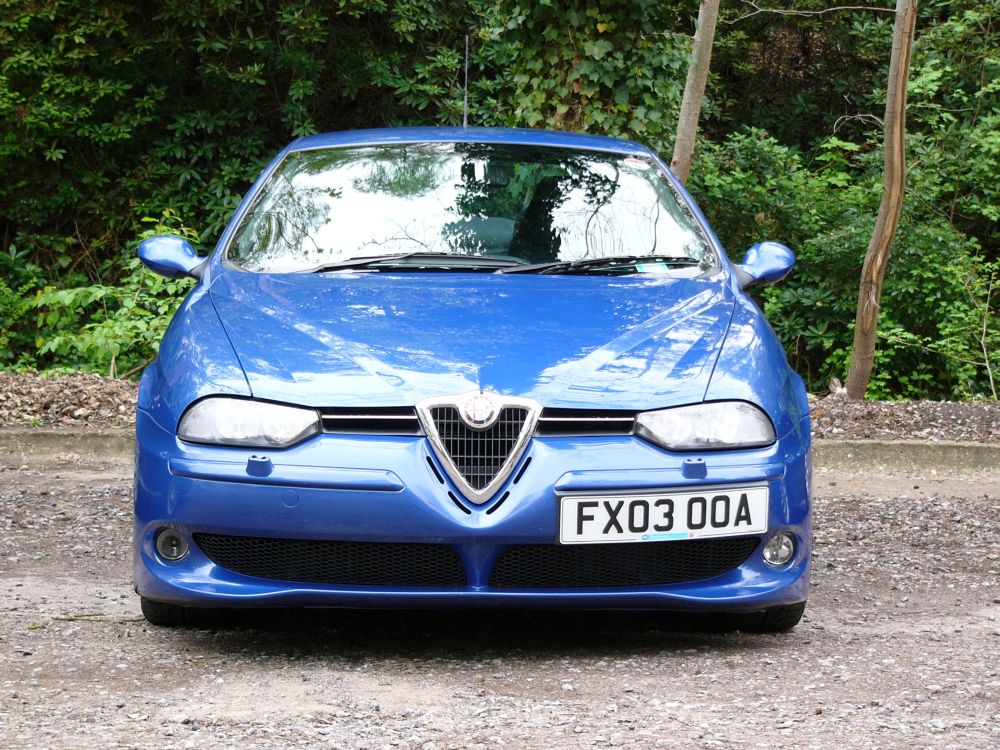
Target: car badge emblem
480	411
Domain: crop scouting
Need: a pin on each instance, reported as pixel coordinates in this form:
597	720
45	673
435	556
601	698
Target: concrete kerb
854	456
873	457
38	443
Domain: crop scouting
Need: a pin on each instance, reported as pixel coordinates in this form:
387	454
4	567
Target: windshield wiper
438	260
596	264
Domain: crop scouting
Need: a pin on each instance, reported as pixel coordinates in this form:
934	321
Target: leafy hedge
118	117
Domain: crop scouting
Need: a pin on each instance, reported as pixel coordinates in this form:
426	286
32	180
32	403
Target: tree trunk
694	89
877	257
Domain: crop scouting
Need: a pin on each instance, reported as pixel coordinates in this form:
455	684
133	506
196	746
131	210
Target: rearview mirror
170	256
765	263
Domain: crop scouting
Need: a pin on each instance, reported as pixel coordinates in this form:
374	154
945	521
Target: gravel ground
899	648
91	401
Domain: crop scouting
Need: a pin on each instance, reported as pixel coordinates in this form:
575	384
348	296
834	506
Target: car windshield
492	205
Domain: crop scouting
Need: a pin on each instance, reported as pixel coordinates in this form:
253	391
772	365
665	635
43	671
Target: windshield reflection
532	204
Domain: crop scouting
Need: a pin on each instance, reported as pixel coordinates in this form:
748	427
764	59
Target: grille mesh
635	564
478	454
347	563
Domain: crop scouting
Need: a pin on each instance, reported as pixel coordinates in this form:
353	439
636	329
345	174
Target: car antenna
465	104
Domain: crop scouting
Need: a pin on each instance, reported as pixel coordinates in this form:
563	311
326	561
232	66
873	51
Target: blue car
471	368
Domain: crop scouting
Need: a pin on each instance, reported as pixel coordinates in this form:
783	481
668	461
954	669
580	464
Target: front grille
403	421
478	454
371	421
530	566
582	422
346	563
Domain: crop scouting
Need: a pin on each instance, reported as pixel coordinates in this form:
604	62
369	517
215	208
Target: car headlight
238	421
711	426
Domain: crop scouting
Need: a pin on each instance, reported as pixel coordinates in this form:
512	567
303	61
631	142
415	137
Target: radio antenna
465	105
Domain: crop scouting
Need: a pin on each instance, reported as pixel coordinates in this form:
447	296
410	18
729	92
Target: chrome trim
629	421
363	415
478	497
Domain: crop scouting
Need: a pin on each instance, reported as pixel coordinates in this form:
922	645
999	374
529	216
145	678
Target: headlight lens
237	421
713	426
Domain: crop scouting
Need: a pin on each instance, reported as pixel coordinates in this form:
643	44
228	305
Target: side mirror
170	256
765	263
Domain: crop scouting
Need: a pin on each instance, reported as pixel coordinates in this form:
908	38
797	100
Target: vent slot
498	503
569	422
382	421
437	474
523	469
458	503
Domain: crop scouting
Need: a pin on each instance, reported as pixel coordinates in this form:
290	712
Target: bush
110	328
110	110
19	281
936	296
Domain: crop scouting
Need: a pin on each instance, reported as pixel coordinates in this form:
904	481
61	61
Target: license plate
700	514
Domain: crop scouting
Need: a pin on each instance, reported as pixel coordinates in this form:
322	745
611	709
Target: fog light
170	545
779	550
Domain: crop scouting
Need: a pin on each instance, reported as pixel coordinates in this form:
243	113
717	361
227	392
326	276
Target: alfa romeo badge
480	410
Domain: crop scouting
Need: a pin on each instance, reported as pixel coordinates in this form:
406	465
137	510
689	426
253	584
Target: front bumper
381	489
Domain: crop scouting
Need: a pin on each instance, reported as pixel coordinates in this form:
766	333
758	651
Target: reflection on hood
378	339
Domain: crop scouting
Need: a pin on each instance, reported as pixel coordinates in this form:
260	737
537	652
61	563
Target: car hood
381	339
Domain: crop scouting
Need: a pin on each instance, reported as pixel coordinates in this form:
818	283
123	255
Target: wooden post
893	179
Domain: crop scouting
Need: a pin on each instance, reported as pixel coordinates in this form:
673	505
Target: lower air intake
346	563
533	566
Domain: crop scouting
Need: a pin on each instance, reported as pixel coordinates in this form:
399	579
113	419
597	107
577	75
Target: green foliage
612	68
111	110
111	328
67	118
936	298
19	279
954	101
802	77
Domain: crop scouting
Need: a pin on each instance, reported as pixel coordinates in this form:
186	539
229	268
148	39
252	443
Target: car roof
519	136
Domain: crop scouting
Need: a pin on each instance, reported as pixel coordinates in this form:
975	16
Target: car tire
175	616
773	620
